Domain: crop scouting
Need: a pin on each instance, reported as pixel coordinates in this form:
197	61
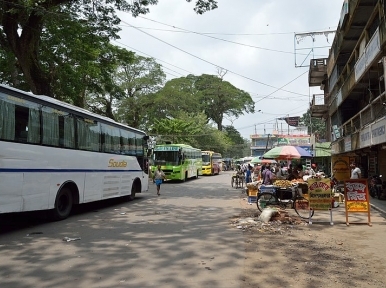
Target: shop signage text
357	197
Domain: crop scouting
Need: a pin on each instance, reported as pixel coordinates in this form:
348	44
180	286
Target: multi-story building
353	81
261	143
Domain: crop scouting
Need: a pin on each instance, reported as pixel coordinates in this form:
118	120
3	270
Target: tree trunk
26	46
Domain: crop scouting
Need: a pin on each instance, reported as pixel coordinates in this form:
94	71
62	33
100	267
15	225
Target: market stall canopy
257	160
287	152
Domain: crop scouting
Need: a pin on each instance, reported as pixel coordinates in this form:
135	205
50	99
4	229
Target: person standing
313	169
355	171
158	176
248	174
267	176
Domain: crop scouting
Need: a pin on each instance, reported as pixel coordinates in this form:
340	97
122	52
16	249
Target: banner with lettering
291	121
356	197
378	132
319	191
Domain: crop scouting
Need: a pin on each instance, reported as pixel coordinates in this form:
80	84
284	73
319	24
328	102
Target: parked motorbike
336	187
375	189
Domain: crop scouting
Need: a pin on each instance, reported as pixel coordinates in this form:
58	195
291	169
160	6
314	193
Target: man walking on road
158	176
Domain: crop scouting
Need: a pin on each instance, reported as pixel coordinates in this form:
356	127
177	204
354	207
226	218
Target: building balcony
366	73
319	109
369	114
354	16
318	72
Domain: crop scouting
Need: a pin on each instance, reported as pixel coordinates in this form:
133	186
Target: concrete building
261	143
352	79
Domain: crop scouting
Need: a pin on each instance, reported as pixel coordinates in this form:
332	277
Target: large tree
139	81
177	95
185	128
25	22
238	144
315	125
220	98
208	93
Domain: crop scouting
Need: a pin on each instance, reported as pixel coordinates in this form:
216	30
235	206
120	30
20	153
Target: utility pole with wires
305	49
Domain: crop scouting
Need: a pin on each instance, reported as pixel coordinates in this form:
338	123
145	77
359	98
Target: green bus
178	161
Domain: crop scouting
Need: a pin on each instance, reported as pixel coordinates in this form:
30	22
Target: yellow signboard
341	167
319	191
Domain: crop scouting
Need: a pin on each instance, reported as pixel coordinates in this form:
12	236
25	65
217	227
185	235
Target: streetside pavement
379	205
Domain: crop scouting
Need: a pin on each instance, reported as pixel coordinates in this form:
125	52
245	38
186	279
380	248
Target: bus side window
88	135
50	124
66	131
124	142
27	125
132	148
7	120
139	145
21	125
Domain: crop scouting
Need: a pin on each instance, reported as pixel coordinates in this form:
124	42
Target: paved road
179	239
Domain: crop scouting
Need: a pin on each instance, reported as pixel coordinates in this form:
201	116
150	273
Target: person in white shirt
355	171
312	170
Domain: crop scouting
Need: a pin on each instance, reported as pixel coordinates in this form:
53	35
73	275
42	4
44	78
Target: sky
260	44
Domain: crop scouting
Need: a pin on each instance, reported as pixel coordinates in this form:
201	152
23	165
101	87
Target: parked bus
178	161
54	155
211	163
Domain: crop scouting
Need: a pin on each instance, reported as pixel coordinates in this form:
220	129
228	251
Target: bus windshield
166	158
205	159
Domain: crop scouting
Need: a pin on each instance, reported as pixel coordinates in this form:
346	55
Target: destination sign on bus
167	148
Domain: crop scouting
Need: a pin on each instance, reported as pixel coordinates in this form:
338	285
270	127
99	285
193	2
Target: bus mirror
149	152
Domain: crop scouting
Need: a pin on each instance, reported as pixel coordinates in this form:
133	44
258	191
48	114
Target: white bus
54	155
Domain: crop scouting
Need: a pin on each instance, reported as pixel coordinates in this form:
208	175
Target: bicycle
275	199
237	180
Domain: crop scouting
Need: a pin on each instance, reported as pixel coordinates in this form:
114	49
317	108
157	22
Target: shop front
367	148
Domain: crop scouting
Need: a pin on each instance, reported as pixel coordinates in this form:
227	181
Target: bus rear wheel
63	204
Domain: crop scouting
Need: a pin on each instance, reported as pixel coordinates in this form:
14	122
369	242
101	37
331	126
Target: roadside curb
378	209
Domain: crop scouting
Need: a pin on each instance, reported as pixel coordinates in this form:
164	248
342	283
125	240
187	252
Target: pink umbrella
287	152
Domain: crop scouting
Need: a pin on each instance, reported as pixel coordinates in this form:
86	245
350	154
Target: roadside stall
286	189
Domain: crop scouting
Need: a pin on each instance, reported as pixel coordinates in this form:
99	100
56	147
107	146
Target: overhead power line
225	40
206	61
219	33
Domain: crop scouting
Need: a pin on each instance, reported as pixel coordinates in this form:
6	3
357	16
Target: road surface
179	239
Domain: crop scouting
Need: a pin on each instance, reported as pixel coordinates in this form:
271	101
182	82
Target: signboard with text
356	197
341	167
166	148
319	191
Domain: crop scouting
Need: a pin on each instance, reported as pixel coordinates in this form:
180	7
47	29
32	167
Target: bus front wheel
63	204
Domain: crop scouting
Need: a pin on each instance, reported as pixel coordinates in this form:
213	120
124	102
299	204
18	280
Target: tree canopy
37	36
208	93
62	49
315	125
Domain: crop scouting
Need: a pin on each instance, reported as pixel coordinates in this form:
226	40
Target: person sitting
300	172
312	170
